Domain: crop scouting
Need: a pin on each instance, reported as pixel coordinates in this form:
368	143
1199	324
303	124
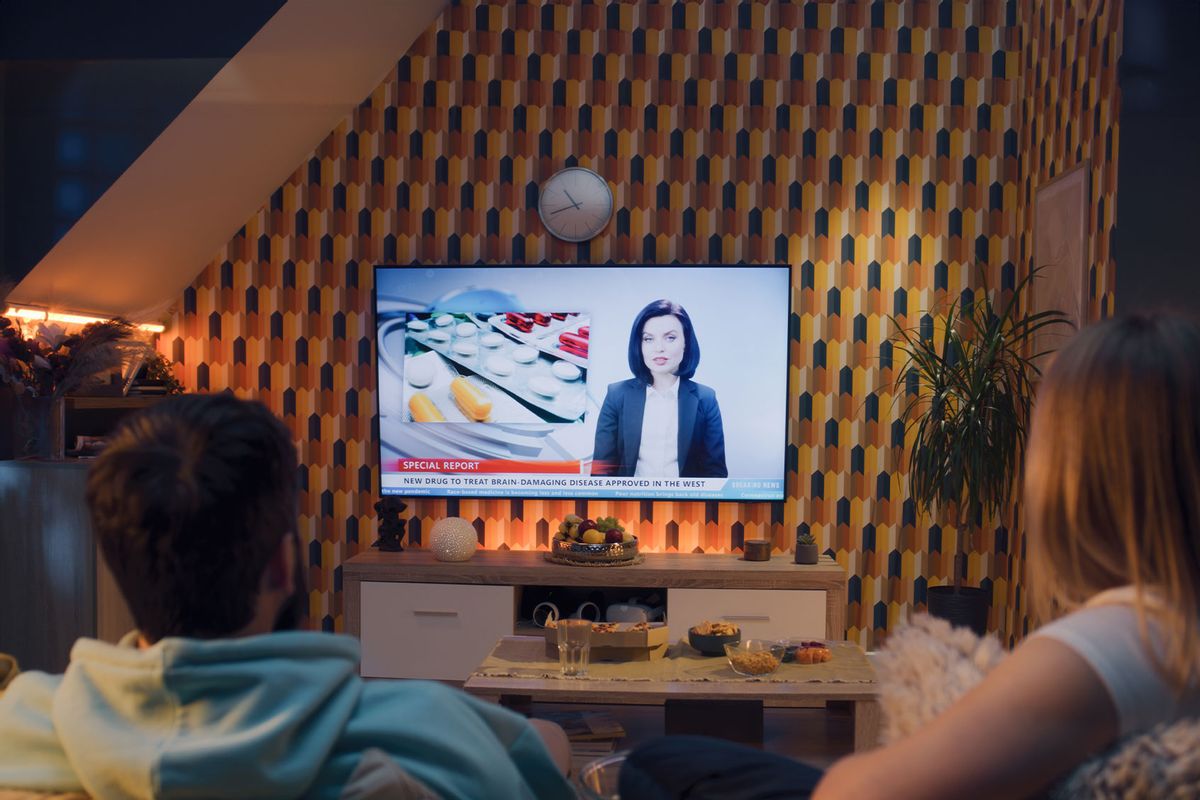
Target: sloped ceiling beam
140	245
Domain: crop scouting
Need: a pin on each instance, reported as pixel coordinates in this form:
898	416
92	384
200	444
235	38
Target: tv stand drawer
436	631
419	617
760	613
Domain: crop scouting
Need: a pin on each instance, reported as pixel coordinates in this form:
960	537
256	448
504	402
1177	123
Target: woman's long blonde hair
1112	478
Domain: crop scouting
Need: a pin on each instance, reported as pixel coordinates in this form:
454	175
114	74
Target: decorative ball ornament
452	539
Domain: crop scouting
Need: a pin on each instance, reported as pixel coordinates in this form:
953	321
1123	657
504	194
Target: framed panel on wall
1060	250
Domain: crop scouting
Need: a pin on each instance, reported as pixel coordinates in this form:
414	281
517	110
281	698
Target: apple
584	527
614	536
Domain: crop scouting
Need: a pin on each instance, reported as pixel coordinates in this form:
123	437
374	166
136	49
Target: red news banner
485	466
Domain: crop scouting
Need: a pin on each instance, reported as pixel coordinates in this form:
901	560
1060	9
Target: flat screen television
605	382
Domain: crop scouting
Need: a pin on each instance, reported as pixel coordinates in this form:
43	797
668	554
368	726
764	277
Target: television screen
616	382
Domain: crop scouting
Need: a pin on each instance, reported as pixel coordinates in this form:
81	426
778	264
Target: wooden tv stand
418	617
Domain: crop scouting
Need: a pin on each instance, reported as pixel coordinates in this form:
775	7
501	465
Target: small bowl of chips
754	658
710	638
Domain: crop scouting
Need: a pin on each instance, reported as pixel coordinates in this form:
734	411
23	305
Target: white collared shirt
658	454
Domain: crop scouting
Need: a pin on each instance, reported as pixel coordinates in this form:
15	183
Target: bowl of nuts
753	658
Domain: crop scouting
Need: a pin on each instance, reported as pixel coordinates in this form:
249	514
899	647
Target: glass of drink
574	644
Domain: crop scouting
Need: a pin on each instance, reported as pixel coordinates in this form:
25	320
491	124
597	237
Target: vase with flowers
39	365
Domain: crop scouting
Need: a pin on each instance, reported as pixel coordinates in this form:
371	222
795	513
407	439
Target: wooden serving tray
621	643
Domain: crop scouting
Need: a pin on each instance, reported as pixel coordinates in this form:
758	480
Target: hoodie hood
248	717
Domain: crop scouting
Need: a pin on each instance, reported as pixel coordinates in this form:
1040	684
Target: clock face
575	204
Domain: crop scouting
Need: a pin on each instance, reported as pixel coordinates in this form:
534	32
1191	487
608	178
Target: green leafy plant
967	391
158	370
805	539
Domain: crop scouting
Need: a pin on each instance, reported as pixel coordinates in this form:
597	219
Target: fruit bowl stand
606	553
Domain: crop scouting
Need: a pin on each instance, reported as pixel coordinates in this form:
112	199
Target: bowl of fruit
602	540
804	651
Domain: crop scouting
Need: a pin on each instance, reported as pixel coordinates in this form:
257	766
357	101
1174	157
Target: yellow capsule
423	409
470	399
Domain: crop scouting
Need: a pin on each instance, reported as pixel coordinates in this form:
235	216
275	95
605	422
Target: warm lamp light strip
71	319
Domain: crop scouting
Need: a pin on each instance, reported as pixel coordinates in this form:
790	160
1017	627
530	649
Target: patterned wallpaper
1070	106
874	146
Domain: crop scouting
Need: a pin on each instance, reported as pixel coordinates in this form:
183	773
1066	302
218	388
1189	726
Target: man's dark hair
189	502
691	347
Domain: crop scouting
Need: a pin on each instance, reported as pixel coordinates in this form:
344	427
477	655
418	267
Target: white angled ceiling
140	245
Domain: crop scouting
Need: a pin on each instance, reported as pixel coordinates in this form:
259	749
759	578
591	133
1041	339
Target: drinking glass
574	644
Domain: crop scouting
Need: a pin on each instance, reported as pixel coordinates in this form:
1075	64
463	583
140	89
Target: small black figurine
391	527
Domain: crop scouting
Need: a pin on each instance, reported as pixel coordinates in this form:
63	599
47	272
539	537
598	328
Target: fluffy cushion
924	667
927	665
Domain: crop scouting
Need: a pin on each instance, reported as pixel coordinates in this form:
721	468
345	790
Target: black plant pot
807	553
967	608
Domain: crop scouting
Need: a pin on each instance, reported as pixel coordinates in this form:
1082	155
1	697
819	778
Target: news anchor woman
660	423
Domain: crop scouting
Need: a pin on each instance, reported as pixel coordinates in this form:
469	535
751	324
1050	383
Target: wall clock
575	204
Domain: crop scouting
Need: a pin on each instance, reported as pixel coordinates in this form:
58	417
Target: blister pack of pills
558	334
482	372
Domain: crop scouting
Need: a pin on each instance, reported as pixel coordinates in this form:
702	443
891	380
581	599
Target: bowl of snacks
710	638
804	651
754	658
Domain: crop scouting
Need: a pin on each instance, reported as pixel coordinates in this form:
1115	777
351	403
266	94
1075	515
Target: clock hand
564	208
572	199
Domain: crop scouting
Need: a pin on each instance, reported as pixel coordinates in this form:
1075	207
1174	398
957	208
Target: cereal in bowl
758	662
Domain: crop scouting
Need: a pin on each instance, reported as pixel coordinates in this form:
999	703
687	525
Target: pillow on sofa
927	665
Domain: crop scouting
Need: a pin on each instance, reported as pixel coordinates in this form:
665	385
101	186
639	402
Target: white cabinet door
438	631
760	613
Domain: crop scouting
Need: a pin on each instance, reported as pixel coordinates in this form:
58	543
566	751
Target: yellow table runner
525	657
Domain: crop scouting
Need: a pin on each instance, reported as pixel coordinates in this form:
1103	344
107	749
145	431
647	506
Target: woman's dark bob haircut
691	347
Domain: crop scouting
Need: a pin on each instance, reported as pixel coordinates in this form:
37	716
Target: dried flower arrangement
49	362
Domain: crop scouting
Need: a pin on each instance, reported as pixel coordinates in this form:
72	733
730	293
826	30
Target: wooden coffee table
699	695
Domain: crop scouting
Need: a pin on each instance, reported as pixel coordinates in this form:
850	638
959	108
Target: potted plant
806	549
968	391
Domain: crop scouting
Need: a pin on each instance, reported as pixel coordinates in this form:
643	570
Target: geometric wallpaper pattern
877	147
1070	106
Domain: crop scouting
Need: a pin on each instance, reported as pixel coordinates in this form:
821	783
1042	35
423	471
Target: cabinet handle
426	613
748	617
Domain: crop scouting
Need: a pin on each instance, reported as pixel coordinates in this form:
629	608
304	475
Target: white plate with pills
542	383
